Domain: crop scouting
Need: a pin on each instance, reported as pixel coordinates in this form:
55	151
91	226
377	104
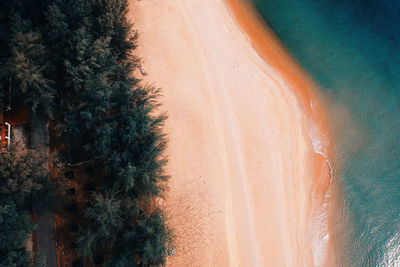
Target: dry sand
241	161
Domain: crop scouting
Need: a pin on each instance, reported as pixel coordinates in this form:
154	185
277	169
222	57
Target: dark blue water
352	50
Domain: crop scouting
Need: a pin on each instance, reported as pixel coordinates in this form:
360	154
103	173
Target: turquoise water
351	49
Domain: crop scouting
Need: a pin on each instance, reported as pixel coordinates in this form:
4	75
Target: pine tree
105	213
23	177
16	228
24	80
87	244
108	117
25	69
152	238
122	260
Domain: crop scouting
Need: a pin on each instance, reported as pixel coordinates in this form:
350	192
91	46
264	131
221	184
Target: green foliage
23	177
24	80
23	187
15	229
105	214
109	117
135	164
110	20
122	260
151	238
87	244
24	74
26	66
73	61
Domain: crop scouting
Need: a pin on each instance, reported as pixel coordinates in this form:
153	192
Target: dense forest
72	63
24	188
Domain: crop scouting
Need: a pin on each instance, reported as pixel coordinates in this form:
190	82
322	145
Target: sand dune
240	157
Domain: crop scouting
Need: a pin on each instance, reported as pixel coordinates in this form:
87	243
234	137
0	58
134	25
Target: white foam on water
318	232
320	143
391	255
318	221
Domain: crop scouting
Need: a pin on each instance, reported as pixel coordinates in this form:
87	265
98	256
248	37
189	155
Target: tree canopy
16	227
24	188
73	62
25	72
108	116
24	177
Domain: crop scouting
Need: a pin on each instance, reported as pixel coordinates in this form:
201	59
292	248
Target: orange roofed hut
8	119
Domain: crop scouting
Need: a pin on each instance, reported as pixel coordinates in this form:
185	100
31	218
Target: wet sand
269	47
243	169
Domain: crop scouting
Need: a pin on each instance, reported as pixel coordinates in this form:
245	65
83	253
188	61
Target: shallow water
350	48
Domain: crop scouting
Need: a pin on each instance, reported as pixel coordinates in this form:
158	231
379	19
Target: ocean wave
318	221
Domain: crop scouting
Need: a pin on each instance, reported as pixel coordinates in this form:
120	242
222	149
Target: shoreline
238	144
270	48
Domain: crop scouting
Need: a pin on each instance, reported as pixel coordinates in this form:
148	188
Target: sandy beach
243	127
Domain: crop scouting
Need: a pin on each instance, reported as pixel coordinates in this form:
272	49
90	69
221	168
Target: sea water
351	48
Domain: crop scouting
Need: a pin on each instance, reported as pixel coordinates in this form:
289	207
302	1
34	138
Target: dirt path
45	231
